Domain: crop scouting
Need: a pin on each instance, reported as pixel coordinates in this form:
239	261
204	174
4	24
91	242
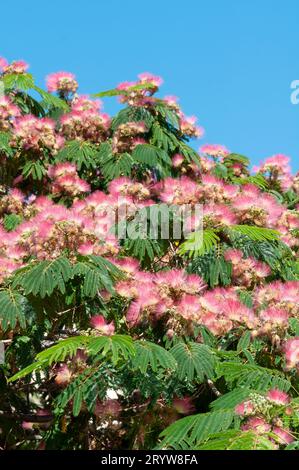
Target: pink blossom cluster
139	93
37	135
8	111
64	82
127	136
15	67
66	180
247	272
261	414
214	150
84	122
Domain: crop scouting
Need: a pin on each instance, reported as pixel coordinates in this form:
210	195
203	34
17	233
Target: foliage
129	320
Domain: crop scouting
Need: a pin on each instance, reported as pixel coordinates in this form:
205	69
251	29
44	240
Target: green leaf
51	100
98	273
154	356
34	169
117	346
132	114
43	277
195	361
236	158
238	440
231	399
252	376
113	166
194	429
77	404
11	309
244	341
22	81
116	91
150	155
255	233
5	143
11	221
83	154
199	243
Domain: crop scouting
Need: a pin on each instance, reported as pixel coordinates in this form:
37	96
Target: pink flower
147	77
256	424
83	103
275	316
17	66
245	408
278	397
125	85
3	63
63	375
214	150
171	101
188	127
62	81
86	249
284	436
177	160
292	352
99	323
183	405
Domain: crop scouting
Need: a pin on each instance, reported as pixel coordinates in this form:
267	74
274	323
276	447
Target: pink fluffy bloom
99	323
62	169
246	408
83	103
259	425
8	109
63	375
278	397
214	150
87	125
30	132
17	66
218	214
3	63
233	255
125	85
215	190
70	184
86	249
149	78
183	405
188	127
171	101
277	165
125	187
179	191
275	316
291	349
284	436
252	205
177	160
189	307
62	81
128	265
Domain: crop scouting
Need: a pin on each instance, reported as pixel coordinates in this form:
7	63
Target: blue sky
231	62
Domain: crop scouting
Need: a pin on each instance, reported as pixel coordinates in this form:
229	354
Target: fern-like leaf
11	309
195	361
154	356
194	429
199	243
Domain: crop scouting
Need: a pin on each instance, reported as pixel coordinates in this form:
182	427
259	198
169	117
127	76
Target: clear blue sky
231	62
